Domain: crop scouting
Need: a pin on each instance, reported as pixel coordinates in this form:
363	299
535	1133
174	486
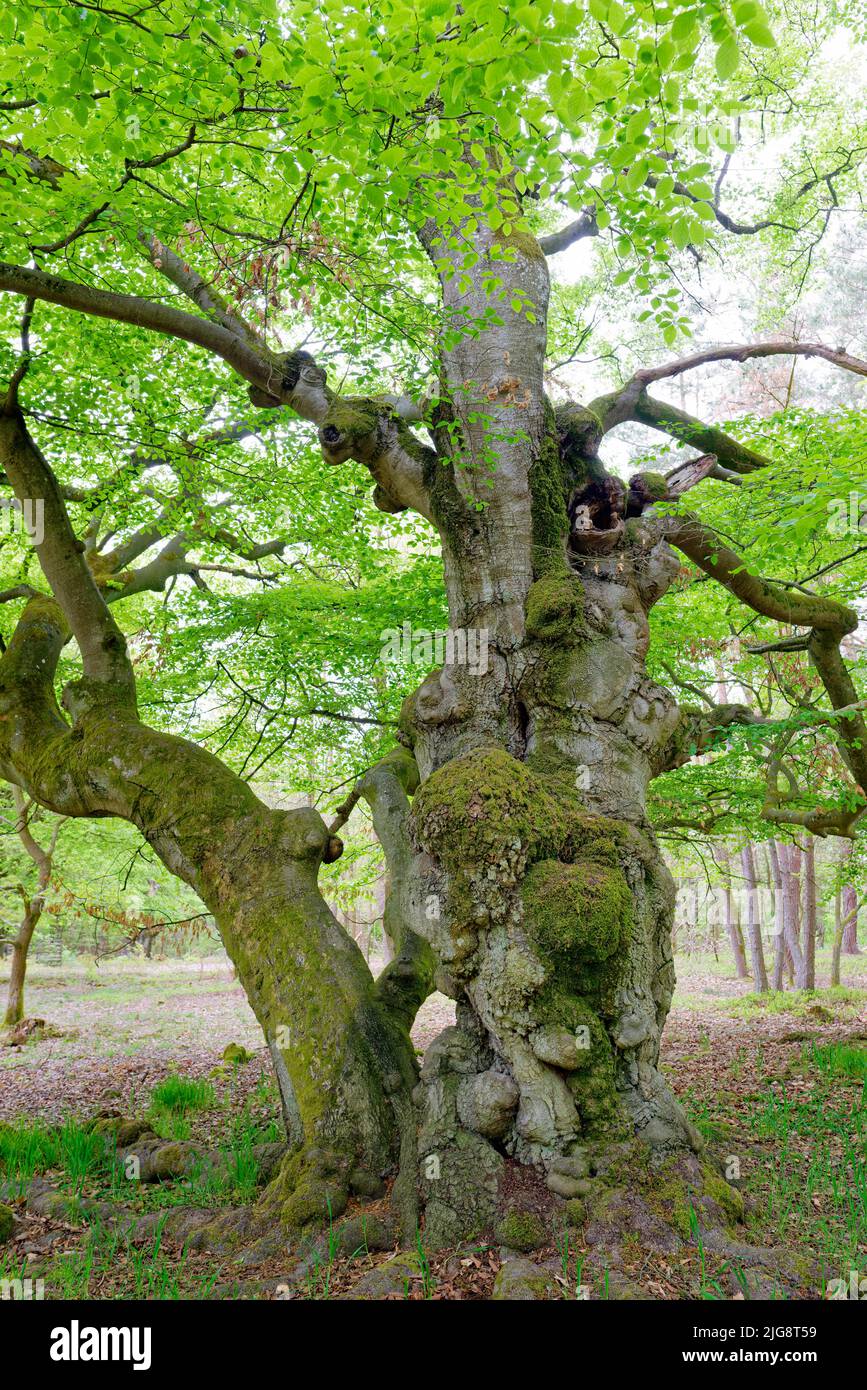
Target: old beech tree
526	881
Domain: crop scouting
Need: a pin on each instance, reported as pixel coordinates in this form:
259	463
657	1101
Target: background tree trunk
33	907
849	903
732	925
754	930
18	968
779	915
789	863
809	912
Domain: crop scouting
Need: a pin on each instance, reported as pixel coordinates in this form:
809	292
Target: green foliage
841	1059
29	1149
180	1094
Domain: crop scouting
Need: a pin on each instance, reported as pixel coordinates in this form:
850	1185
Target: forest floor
776	1083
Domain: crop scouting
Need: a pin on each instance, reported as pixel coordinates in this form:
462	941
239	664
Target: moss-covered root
311	1189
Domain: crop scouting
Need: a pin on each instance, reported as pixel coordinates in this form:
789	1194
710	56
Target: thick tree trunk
524	872
342	1057
540	885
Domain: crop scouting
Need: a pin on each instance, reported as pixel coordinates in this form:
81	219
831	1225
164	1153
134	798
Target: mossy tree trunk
341	1054
539	883
525	876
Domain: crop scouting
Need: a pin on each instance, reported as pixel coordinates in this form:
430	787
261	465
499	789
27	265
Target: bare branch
746	352
583	226
196	289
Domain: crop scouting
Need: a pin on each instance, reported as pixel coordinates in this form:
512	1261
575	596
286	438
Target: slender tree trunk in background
732	925
754	931
795	860
837	947
33	907
712	919
691	896
792	913
850	918
779	915
789	860
18	968
821	907
849	904
809	912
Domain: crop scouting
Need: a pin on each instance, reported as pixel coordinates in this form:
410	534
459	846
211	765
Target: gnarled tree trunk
536	877
342	1056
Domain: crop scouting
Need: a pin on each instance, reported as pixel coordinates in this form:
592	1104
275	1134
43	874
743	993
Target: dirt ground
123	1025
777	1084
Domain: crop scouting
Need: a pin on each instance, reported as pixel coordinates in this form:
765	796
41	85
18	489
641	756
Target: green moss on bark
548	492
578	916
555	608
477	806
727	1198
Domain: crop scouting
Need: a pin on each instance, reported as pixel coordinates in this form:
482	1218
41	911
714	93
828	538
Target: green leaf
758	33
728	58
680	234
